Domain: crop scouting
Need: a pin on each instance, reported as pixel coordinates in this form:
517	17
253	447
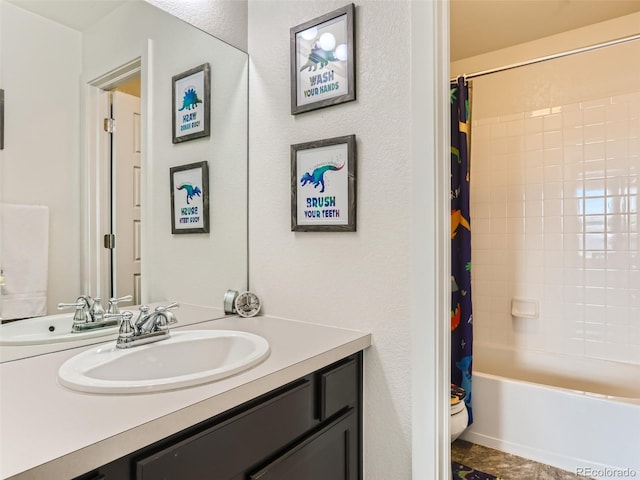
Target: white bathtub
581	415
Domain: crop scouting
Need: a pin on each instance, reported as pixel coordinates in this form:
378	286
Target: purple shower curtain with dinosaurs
461	312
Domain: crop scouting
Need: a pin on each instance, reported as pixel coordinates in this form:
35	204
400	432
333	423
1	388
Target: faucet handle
81	303
126	331
113	303
126	315
81	315
87	299
164	317
164	308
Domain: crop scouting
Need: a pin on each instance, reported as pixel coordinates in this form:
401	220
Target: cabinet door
339	388
225	450
331	453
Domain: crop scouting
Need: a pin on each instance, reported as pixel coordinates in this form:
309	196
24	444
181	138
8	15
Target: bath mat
468	473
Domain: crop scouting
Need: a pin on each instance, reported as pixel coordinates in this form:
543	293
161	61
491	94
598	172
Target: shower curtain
461	312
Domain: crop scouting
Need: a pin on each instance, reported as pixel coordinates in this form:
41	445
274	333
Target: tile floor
504	465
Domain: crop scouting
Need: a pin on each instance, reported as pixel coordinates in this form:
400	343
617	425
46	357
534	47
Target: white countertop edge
93	456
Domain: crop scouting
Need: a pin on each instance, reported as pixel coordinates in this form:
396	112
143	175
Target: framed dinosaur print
323	185
191	99
323	61
190	198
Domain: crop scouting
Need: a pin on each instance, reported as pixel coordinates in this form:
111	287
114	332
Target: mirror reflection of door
125	191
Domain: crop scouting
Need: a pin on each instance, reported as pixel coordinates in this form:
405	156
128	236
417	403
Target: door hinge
110	241
109	125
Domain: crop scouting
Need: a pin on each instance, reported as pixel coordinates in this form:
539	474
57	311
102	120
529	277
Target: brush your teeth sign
323	193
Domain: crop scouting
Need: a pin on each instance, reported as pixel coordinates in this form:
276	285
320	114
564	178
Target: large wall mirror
65	67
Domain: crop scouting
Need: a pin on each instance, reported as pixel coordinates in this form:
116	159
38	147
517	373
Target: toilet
459	414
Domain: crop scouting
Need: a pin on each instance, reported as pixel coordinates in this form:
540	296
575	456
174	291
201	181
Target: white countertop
50	432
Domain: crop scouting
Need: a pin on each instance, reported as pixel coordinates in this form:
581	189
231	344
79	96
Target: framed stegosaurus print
191	104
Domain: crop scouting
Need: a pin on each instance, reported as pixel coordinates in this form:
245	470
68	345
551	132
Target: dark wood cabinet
309	429
331	453
226	449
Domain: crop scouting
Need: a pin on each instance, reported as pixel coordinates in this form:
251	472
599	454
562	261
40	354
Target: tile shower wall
554	208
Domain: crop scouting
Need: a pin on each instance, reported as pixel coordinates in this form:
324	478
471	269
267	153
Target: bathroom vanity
298	414
308	429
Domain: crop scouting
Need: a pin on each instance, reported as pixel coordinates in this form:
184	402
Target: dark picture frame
190	198
323	185
191	104
322	61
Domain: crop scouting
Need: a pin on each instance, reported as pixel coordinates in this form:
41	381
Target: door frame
430	241
96	187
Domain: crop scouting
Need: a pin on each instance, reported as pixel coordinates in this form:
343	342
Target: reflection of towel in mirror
24	258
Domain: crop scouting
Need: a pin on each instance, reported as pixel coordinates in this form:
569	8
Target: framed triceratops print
191	103
323	61
190	198
323	185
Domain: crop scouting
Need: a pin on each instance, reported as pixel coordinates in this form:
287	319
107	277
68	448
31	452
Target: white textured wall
355	280
40	161
226	19
555	190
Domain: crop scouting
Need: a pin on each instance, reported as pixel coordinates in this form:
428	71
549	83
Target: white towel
24	259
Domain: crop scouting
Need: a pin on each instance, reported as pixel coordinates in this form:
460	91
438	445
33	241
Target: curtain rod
551	57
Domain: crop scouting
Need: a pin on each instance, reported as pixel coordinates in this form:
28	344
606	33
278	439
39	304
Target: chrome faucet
147	327
90	314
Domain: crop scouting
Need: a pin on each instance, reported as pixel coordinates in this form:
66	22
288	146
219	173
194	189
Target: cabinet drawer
338	388
329	454
223	450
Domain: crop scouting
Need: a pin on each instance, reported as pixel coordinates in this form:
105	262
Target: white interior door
99	198
126	195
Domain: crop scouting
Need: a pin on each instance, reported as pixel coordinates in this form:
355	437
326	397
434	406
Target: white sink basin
185	359
49	329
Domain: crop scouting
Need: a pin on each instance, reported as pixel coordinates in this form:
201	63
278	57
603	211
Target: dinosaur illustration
190	190
317	176
464	365
452	95
456	220
456	153
455	317
190	100
318	57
